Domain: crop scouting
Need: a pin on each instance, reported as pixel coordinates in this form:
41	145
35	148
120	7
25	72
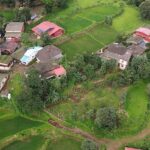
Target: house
49	28
136	50
117	52
8	47
30	55
144	33
127	148
6	63
49	70
3	80
14	31
134	39
49	53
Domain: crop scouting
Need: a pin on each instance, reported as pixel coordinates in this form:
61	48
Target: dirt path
111	144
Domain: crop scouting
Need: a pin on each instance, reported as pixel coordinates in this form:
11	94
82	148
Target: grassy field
90	41
10	126
8	15
64	143
32	143
129	20
136	108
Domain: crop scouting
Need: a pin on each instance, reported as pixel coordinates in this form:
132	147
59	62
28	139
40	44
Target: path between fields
111	144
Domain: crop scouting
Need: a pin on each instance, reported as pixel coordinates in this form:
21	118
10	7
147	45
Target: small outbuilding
143	32
8	47
30	55
6	63
14	31
3	80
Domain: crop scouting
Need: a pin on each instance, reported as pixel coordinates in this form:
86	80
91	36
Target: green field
11	126
90	41
64	143
33	143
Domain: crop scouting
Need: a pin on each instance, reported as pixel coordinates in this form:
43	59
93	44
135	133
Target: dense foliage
145	9
89	145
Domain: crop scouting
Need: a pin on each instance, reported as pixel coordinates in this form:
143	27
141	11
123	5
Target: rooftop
14	26
49	53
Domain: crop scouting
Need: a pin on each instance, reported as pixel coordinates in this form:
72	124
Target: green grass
16	84
32	143
136	108
8	15
65	143
11	126
128	21
91	41
136	105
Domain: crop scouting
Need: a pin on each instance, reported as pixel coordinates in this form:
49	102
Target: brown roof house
14	31
136	50
3	80
6	63
8	47
49	70
49	53
118	52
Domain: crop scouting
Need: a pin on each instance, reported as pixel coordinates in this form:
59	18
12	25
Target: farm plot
64	143
10	126
84	18
32	143
89	41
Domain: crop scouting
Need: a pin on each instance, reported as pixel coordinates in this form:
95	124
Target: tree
89	145
108	20
23	15
145	9
140	67
89	71
106	118
52	5
135	2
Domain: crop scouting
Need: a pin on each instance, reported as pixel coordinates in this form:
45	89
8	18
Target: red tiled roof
46	26
143	30
59	71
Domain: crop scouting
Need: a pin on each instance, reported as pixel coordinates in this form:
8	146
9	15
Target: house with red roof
49	28
59	72
144	33
127	148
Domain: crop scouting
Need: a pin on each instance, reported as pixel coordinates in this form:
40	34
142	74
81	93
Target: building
127	148
144	33
49	70
134	39
8	47
30	55
48	28
3	80
49	53
14	31
117	52
6	63
136	50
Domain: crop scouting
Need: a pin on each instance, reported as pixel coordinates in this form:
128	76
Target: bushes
106	118
89	145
